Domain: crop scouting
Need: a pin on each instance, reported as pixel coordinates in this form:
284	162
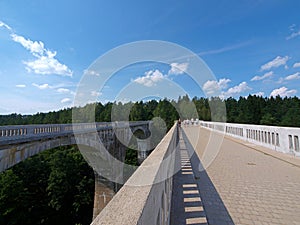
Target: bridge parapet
19	142
282	139
22	133
146	197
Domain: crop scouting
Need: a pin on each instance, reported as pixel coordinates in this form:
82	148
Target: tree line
253	109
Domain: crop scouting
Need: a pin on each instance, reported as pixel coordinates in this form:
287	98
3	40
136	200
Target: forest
57	185
53	187
258	110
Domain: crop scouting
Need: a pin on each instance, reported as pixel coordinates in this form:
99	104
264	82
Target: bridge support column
104	192
143	152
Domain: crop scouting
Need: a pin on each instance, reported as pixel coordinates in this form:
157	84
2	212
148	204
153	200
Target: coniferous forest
275	111
57	186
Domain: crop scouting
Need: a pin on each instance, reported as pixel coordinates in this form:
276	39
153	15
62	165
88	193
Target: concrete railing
16	133
282	139
146	197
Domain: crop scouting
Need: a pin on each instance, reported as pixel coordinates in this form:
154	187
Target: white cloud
296	65
34	47
216	88
151	78
213	87
278	61
45	62
41	86
95	93
294	32
63	90
92	73
259	93
266	75
178	68
21	86
65	100
2	24
283	92
237	89
293	35
294	76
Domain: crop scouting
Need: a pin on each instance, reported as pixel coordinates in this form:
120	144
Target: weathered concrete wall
22	141
104	192
15	153
146	196
282	139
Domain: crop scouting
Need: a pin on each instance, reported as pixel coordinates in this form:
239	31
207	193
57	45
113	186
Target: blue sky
252	47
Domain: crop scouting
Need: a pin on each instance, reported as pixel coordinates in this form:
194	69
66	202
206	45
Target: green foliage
53	187
11	192
167	112
131	157
265	111
251	110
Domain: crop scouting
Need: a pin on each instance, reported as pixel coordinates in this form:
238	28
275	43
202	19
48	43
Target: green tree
53	187
167	112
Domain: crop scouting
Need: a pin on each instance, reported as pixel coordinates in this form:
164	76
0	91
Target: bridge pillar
105	189
143	150
104	192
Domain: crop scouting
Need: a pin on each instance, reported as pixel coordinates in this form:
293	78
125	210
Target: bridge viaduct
102	146
213	173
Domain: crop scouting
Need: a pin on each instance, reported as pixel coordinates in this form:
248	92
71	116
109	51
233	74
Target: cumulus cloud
35	47
266	75
21	86
178	68
259	93
151	78
41	86
278	61
45	62
283	92
296	65
213	87
242	87
217	88
65	100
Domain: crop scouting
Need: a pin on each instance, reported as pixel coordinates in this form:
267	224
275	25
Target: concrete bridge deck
245	184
